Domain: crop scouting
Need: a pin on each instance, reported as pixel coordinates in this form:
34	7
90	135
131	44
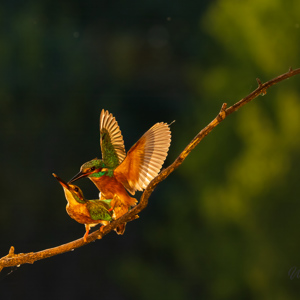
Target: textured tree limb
13	259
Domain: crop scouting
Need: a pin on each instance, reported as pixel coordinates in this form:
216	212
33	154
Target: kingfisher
117	172
87	212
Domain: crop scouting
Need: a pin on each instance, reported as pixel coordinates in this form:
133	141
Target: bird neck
72	199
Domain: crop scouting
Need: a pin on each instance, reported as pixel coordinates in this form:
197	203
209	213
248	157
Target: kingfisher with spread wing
117	172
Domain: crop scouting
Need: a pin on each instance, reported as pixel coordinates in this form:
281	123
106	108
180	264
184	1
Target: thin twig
13	259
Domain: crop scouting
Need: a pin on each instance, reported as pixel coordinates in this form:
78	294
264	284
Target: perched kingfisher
115	172
87	212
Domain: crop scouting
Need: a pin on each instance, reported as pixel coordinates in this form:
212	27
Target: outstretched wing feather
145	159
111	140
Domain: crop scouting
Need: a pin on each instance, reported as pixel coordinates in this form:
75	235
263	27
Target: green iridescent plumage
111	141
109	154
96	163
99	209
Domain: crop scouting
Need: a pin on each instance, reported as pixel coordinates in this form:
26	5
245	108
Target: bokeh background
225	225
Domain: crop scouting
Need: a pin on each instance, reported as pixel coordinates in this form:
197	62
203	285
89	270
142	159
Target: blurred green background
225	225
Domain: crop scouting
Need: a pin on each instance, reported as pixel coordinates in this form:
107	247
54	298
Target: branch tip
222	114
224	106
11	251
259	82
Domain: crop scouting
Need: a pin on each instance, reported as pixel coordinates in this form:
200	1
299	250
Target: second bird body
87	212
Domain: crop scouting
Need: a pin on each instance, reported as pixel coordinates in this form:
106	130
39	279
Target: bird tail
120	229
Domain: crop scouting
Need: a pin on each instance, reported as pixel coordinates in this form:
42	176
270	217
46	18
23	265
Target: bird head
92	168
72	192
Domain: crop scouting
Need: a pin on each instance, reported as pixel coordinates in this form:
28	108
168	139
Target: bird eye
93	168
76	189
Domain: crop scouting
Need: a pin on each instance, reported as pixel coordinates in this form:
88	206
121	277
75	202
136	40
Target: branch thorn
11	251
224	106
259	82
222	113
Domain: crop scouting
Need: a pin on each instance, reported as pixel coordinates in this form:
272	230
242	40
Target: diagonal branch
13	259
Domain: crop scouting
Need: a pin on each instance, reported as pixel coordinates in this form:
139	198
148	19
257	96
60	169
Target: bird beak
62	182
77	176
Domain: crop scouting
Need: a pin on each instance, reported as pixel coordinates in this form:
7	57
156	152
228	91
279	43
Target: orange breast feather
110	186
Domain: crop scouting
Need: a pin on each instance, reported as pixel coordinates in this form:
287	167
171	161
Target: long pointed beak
62	182
78	176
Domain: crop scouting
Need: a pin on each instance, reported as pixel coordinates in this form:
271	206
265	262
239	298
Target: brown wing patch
145	159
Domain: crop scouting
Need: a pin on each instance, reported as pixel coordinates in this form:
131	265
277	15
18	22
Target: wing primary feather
145	159
111	140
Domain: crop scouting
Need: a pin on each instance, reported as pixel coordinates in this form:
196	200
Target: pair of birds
115	173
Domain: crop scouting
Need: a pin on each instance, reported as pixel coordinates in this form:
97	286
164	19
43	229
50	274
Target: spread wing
111	140
145	159
99	210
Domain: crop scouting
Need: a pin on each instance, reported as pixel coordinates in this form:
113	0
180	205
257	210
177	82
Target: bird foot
99	237
84	237
87	229
112	207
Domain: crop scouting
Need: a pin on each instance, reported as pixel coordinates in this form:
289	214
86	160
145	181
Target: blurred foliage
223	225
